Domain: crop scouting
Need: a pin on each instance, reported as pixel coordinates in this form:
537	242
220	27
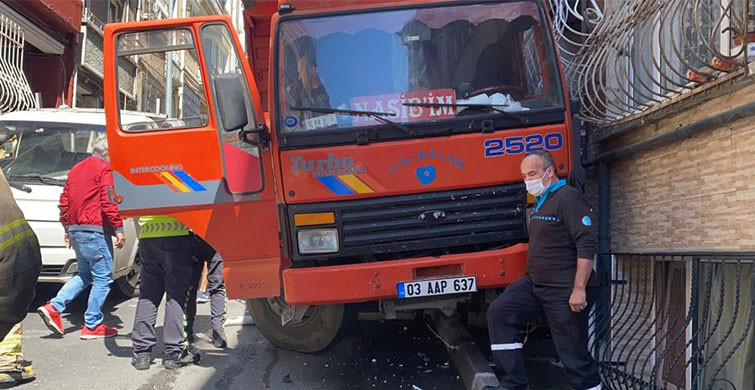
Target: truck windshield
475	54
45	150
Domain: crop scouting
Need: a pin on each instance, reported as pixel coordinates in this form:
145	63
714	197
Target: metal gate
676	321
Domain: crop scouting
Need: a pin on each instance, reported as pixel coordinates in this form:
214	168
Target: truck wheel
316	330
128	284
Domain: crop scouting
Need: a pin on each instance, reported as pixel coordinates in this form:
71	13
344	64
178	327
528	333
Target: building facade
134	79
54	48
39	51
667	93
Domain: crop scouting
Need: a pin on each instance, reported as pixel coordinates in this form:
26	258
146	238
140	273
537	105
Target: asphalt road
366	355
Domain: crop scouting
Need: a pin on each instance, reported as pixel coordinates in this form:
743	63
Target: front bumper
377	280
56	262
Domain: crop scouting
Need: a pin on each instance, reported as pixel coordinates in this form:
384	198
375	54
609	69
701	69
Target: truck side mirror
229	90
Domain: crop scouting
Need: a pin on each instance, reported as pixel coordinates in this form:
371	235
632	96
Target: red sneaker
51	317
100	331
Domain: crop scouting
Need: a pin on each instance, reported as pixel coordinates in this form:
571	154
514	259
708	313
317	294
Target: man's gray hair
99	145
546	157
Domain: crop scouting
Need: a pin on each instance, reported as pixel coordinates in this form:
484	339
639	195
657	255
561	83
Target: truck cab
360	152
38	149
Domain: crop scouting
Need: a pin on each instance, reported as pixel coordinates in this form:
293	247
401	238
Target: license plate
423	288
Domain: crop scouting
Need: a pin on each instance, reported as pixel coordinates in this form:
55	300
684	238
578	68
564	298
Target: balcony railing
626	58
90	18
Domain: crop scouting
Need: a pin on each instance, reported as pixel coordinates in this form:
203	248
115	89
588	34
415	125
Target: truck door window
221	59
241	161
169	83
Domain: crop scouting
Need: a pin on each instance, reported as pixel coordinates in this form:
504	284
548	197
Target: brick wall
694	194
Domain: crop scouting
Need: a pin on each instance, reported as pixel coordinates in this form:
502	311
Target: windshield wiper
478	106
379	116
19	186
42	179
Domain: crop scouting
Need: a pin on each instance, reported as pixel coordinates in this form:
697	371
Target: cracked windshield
414	65
35	150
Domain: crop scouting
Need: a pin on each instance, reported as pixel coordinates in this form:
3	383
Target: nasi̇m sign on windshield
395	105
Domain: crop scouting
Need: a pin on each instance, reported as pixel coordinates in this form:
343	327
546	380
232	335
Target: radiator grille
425	224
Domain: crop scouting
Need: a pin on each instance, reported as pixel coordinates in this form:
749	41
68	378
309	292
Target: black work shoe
218	339
188	356
194	353
172	364
141	361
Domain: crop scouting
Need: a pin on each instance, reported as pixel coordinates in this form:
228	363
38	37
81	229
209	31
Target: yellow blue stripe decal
350	184
335	185
189	181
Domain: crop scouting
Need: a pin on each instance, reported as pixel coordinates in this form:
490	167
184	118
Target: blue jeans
94	256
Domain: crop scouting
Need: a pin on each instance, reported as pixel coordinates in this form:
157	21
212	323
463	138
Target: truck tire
128	285
314	333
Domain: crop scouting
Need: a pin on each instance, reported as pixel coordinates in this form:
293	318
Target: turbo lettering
330	166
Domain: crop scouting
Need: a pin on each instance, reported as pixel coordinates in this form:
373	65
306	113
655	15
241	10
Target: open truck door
203	158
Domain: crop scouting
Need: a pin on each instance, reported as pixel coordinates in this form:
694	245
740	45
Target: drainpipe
578	177
169	70
603	266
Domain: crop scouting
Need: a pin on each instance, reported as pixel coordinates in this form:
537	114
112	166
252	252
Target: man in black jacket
559	281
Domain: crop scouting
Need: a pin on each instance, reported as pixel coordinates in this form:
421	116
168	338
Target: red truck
361	151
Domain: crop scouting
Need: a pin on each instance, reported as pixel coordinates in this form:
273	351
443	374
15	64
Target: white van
40	147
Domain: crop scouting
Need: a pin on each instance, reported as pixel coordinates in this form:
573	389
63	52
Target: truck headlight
318	241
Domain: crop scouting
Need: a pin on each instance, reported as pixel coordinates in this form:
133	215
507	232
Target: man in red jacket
89	215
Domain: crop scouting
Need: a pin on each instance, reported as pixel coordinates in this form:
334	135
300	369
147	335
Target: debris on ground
239	321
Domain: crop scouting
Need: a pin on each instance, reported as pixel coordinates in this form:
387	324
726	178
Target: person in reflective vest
168	254
20	264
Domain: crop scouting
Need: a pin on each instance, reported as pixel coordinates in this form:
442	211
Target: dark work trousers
168	266
215	287
525	301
